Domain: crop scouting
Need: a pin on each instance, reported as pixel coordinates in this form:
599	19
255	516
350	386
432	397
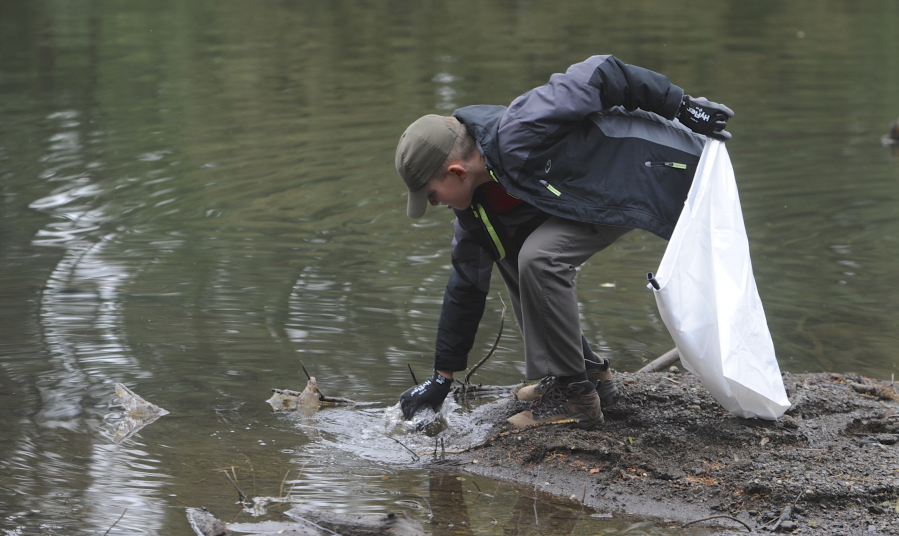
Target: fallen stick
321	397
478	391
716	517
502	320
665	360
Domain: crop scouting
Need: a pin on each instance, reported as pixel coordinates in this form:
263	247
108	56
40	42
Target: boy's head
425	150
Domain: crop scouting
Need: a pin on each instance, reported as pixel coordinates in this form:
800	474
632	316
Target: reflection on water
195	197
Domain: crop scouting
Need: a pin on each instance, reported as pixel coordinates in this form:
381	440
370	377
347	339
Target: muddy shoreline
669	452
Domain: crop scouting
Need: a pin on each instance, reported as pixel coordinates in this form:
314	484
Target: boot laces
551	398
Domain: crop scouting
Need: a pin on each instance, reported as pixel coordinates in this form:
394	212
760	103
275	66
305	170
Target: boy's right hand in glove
430	393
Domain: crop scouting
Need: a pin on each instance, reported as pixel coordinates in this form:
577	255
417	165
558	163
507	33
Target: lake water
197	196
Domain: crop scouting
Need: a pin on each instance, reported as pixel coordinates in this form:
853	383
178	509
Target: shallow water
195	197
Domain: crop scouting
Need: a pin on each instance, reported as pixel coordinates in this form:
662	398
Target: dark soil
668	451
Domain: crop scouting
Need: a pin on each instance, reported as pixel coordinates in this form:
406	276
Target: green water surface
195	196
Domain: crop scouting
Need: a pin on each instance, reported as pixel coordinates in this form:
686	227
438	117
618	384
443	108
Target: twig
116	522
430	511
722	517
414	456
321	397
666	359
536	481
252	474
508	433
786	514
240	494
290	491
478	391
414	379
308	377
502	320
335	400
316	525
281	489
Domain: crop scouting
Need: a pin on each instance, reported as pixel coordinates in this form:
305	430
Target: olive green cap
422	149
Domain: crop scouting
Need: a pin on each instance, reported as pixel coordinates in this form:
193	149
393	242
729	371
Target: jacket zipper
550	187
497	181
481	214
675	165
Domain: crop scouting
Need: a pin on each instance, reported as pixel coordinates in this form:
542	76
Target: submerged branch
116	522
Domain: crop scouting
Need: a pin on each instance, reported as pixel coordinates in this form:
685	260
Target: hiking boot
576	401
600	374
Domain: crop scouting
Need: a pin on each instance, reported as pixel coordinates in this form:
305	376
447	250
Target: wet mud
669	452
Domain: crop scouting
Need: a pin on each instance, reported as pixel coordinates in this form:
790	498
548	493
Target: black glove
430	393
704	117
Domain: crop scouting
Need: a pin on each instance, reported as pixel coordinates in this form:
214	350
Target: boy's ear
458	170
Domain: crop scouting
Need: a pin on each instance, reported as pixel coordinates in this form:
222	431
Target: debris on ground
667	450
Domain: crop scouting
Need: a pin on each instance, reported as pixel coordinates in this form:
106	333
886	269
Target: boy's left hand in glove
705	117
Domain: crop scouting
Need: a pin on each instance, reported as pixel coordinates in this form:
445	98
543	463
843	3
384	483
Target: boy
537	188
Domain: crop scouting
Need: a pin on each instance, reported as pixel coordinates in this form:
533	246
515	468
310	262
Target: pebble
790	423
787	526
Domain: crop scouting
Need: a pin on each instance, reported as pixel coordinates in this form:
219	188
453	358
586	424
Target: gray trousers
540	282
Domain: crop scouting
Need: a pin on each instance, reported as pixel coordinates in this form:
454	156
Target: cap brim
417	203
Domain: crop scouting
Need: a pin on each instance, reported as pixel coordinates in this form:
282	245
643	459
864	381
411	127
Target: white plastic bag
708	299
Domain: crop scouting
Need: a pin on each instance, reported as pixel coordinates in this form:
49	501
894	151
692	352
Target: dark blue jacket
597	144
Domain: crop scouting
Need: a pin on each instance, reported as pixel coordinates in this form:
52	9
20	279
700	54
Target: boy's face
450	190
